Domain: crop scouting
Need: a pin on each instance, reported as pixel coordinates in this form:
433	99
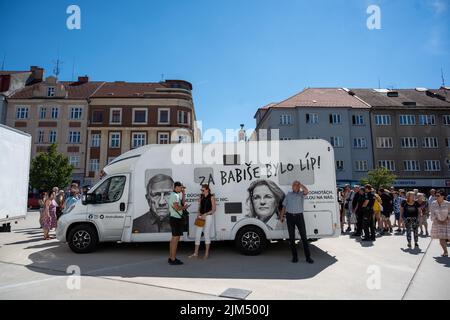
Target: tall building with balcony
332	114
125	115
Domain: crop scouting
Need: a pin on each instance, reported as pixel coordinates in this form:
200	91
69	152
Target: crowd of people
368	213
53	204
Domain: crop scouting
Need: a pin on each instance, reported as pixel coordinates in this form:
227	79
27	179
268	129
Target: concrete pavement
31	268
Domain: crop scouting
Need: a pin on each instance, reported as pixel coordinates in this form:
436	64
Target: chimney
37	73
84	79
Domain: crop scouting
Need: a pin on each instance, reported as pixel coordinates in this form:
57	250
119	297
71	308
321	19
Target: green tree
379	177
50	169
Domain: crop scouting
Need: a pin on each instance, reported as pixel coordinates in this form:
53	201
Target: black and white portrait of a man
159	188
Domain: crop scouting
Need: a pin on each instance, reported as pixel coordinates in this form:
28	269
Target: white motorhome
15	149
129	204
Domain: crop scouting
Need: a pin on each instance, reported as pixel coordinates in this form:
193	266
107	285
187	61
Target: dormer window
50	91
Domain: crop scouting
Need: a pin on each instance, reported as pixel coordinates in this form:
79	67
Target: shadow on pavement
412	251
150	260
445	261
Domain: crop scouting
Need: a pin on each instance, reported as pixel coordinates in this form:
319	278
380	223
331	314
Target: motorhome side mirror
89	198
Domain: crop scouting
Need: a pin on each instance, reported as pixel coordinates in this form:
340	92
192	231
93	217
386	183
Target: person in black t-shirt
388	206
410	213
368	216
357	203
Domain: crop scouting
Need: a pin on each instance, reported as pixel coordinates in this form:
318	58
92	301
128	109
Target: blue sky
238	54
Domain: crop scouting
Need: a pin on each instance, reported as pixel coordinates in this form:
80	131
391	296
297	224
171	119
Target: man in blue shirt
293	210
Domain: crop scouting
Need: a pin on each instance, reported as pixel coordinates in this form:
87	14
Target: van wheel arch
250	240
82	237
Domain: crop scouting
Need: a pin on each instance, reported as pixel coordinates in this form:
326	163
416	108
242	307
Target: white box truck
130	203
15	149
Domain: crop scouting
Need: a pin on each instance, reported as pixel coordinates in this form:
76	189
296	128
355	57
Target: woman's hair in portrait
277	193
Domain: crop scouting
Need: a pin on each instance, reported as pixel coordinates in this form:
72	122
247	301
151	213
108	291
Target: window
430	142
41	136
163	116
183	117
75	113
411	165
42	112
337	142
163	138
335	118
447	161
110	191
95	140
74	137
97	116
361	165
285	139
285	119
358	120
408	142
312	137
139	139
114	139
50	91
115	116
359	143
22	113
55	112
432	165
383	120
388	164
94	165
446	119
52	136
339	165
312	118
407	120
427	120
447	142
139	116
385	142
74	161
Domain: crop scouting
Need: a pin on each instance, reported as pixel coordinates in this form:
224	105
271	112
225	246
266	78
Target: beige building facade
54	112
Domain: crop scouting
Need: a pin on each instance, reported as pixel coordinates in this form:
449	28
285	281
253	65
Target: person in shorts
176	221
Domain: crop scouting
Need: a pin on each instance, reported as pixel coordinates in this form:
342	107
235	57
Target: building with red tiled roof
93	122
411	134
12	81
54	111
127	115
332	114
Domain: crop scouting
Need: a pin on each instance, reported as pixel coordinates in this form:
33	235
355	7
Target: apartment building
332	114
11	81
411	134
125	115
52	111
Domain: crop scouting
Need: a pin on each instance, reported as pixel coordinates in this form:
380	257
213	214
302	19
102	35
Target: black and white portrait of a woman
265	202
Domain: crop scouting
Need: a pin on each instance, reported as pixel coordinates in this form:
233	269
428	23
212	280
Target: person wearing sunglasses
207	207
440	216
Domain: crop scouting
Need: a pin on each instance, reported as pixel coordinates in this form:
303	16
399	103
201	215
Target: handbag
199	222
